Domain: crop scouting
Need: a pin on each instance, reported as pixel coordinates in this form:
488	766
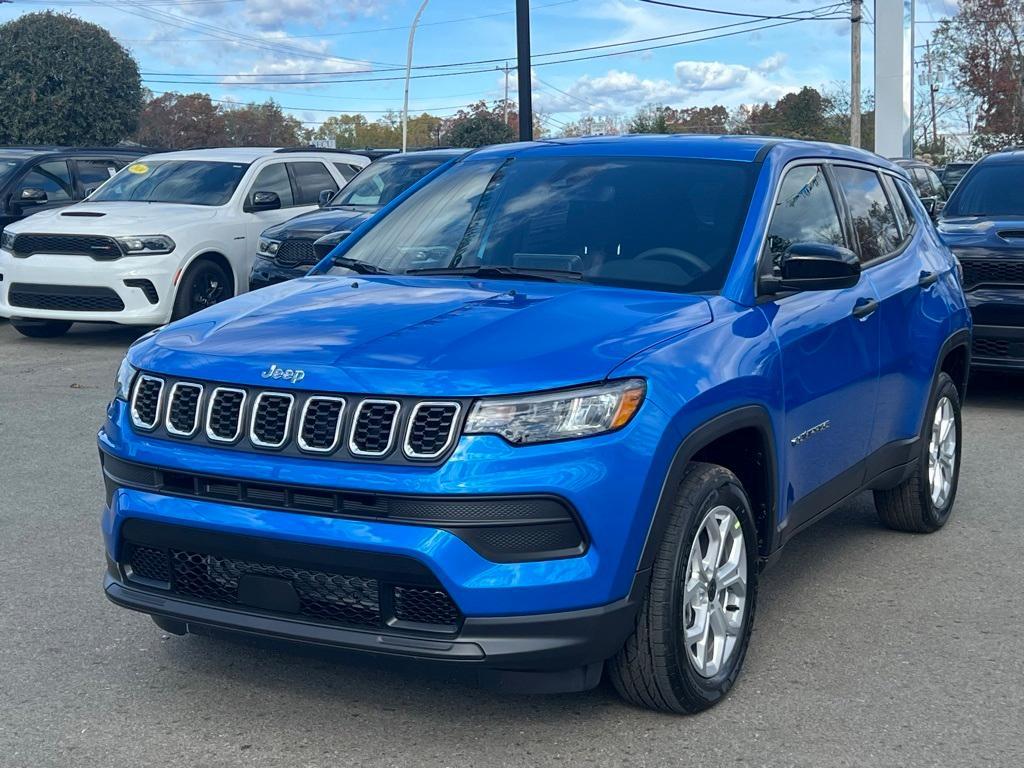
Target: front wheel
205	283
923	502
693	628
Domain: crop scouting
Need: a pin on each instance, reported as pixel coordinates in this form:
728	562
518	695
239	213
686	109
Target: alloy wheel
942	453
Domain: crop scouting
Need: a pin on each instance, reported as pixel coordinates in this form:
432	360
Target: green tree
652	118
261	125
181	121
64	81
479	126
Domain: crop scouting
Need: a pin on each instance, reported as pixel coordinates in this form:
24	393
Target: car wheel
923	502
205	283
693	628
41	329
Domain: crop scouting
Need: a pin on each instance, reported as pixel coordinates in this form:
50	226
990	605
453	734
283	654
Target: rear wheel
924	501
41	329
694	626
205	283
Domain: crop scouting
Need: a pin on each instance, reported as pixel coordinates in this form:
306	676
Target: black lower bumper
998	347
557	652
265	273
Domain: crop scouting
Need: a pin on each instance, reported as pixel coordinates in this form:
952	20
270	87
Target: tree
181	121
64	81
480	126
261	125
651	118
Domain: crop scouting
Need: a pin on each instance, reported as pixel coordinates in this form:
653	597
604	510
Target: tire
42	329
205	283
918	505
655	668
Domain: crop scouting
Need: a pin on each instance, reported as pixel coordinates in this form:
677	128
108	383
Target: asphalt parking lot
871	648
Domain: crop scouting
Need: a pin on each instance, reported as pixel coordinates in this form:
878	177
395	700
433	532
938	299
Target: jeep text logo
294	375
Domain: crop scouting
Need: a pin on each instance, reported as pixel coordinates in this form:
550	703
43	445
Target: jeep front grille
395	430
296	252
992	272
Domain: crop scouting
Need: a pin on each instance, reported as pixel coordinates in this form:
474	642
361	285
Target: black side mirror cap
263	201
814	267
32	196
324	199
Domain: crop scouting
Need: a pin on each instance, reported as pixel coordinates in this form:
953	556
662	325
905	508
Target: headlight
267	247
146	244
7	240
123	382
558	415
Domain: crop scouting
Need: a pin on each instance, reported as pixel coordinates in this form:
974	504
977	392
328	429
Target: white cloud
273	14
710	75
773	63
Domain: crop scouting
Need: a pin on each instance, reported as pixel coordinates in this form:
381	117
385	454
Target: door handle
927	278
864	307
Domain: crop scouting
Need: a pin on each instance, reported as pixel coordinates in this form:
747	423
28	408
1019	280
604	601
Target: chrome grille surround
197	413
407	444
137	421
285	432
395	422
214	402
301	438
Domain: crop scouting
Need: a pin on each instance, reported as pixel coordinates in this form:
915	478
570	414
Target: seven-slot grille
98	247
297	423
980	271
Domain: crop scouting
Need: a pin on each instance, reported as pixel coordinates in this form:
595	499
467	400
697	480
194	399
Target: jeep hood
318	223
117	219
421	335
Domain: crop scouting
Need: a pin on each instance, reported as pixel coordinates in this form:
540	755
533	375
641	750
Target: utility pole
505	107
408	74
523	70
856	15
932	88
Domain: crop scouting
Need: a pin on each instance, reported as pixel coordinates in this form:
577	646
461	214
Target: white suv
166	236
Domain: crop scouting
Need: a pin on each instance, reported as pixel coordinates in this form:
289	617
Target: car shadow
99	335
995	389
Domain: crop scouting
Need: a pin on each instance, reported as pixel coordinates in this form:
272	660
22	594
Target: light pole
523	70
408	74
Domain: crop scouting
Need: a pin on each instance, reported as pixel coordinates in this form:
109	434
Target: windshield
989	190
192	182
955	172
661	223
385	180
8	167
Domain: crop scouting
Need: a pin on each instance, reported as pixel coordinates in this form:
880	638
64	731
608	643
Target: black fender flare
747	416
959	338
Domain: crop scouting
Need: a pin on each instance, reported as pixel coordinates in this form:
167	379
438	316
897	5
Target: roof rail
64	148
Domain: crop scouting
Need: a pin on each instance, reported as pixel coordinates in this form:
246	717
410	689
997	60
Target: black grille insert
64	298
431	429
98	247
271	417
146	398
296	252
425	606
321	424
149	563
374	427
183	411
981	271
1006	349
147	288
224	414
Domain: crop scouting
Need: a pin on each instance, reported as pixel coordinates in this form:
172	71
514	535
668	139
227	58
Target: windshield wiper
502	272
359	267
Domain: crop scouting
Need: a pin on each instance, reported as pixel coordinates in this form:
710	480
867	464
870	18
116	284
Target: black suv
37	178
288	250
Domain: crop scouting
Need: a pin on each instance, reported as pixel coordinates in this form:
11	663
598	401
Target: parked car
34	179
168	235
926	184
592	387
288	250
952	173
983	224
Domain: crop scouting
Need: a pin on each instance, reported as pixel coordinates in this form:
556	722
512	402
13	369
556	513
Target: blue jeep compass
549	413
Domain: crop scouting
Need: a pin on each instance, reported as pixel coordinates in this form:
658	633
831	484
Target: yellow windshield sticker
138	168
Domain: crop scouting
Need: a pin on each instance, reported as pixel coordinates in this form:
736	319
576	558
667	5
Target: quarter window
873	219
53	178
92	173
274	178
805	212
904	215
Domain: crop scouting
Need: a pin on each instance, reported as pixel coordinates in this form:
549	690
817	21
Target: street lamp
408	74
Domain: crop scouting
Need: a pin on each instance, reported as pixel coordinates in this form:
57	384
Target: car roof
442	154
241	154
1010	155
31	152
697	146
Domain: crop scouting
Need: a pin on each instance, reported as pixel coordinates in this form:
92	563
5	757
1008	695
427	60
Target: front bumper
77	272
998	314
265	273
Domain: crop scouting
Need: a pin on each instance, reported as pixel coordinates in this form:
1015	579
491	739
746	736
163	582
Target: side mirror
325	197
90	190
814	267
263	201
32	196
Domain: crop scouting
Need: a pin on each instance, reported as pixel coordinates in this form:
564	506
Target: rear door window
53	177
904	216
805	212
311	179
873	219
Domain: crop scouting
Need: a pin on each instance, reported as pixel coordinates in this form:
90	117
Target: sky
322	57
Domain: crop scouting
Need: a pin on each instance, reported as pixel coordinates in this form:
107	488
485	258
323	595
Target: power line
822	10
720	12
305	109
